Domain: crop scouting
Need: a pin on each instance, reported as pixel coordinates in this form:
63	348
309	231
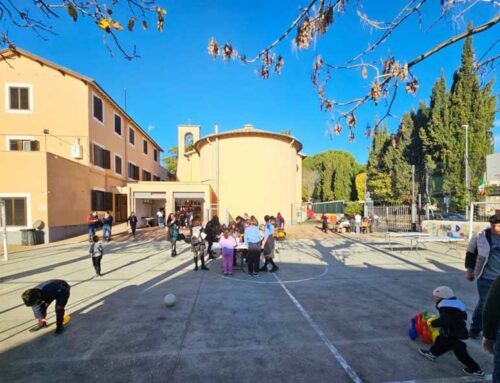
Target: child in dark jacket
452	329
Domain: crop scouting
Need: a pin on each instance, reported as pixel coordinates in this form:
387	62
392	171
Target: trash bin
28	237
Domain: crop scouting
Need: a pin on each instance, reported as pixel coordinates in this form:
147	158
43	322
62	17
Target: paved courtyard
337	311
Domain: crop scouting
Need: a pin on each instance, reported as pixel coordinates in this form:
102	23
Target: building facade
65	148
249	170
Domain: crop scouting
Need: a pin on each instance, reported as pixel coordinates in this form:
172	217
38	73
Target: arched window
188	142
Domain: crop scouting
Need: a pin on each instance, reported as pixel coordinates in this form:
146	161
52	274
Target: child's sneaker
468	371
38	326
429	355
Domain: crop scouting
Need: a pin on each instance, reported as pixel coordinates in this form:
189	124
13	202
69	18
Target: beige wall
25	176
68	197
103	134
257	175
59	105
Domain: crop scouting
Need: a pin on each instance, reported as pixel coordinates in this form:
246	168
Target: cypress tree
469	105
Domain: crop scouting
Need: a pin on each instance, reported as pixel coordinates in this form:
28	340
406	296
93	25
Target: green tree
360	186
170	162
333	175
473	106
379	181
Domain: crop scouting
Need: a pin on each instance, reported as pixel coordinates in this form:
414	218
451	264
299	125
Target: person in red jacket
92	220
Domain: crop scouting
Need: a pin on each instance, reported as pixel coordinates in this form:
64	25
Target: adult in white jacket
482	263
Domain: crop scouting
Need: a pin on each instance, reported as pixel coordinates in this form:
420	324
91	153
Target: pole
427	194
4	229
471	219
413	205
467	177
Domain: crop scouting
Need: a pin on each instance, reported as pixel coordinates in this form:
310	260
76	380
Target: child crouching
452	329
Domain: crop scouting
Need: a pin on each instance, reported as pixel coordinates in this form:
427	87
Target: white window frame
157	155
93	159
131	179
114	165
103	110
121	118
9	85
28	209
147	146
23	138
135	136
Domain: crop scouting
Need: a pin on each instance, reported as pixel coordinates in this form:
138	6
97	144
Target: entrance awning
189	195
150	195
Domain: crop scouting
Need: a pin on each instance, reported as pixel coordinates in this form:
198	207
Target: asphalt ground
338	310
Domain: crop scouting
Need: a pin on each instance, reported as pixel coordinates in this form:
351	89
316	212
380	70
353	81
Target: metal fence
391	218
330	207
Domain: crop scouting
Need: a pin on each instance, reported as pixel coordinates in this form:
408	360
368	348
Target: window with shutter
131	136
15	211
155	155
19	98
146	176
118	125
145	146
98	109
102	157
24	145
118	165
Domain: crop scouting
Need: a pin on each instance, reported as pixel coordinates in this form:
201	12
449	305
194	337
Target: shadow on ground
239	328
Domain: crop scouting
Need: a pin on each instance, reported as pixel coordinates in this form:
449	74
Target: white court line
461	379
343	363
279	280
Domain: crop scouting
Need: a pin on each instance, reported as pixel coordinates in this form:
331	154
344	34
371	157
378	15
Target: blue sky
175	81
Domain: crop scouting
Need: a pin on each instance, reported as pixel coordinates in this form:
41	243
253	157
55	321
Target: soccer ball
169	300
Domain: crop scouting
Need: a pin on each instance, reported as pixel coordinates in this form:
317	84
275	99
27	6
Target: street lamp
467	178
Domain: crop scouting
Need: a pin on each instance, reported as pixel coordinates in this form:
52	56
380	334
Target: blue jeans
91	231
496	365
483	286
106	232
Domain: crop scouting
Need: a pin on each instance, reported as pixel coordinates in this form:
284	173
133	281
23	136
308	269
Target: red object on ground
426	334
420	324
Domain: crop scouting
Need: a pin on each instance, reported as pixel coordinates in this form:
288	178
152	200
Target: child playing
268	245
451	322
227	244
198	243
40	297
96	252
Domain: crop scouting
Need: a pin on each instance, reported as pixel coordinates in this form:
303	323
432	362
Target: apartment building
66	147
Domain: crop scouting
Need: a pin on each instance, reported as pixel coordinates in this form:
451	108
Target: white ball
169	300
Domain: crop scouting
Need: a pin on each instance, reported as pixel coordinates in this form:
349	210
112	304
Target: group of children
257	240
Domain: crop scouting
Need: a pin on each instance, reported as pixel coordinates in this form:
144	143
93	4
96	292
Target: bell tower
187	135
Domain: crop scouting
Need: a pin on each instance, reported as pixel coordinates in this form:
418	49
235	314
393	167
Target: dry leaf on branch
351	120
412	86
337	129
144	24
213	48
131	24
72	12
279	65
364	72
304	34
376	92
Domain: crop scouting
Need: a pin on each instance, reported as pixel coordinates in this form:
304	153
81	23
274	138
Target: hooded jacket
452	318
478	253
